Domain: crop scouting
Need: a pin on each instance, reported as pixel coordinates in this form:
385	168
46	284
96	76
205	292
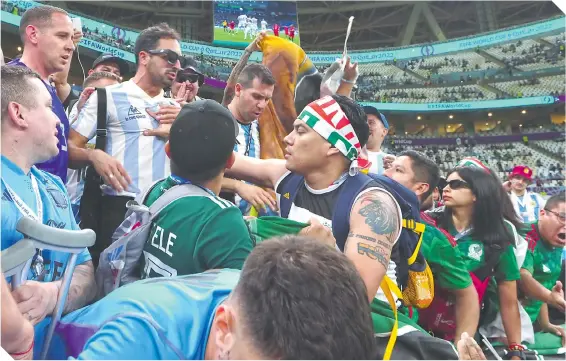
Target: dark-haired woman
473	215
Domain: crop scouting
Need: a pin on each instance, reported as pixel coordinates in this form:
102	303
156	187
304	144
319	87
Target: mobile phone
77	24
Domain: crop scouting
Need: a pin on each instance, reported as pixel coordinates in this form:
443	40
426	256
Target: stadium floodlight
419	117
489	114
451	116
523	111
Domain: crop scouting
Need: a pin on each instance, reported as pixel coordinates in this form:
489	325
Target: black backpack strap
341	216
288	189
101	116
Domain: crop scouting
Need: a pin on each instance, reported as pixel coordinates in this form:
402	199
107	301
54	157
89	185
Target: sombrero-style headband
327	118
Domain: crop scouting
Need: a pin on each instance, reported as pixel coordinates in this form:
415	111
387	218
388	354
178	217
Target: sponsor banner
466	139
126	40
472	105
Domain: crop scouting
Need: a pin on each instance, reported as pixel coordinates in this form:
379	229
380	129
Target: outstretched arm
261	172
374	228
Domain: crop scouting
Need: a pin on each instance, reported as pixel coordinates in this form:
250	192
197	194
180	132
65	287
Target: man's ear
16	113
230	162
238	89
224	325
332	150
421	188
32	34
168	149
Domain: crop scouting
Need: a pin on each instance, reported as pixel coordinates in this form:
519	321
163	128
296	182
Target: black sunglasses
183	76
170	55
457	184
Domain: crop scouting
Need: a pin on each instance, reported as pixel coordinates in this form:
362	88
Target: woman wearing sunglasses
474	216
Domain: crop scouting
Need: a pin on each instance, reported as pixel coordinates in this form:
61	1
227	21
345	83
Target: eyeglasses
183	76
457	184
170	55
561	217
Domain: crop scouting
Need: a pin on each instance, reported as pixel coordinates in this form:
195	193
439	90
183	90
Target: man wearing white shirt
378	129
137	127
526	204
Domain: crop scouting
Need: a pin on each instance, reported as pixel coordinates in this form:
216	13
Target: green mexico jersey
472	251
543	262
194	234
445	260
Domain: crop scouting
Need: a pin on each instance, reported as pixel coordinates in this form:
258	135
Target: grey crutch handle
70	240
16	260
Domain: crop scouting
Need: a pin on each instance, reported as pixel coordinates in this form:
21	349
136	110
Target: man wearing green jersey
541	269
201	232
421	175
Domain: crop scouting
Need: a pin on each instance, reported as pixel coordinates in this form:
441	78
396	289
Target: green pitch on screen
224	38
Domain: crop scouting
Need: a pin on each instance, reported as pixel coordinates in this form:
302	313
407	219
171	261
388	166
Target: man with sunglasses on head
187	83
138	121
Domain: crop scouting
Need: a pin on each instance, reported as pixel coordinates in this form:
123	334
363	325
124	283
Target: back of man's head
425	170
201	140
16	86
300	299
255	71
555	200
40	17
149	38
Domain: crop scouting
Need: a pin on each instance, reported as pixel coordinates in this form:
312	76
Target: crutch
16	261
61	240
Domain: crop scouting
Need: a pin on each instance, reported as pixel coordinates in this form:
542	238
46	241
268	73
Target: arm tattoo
233	78
369	239
82	289
375	253
380	214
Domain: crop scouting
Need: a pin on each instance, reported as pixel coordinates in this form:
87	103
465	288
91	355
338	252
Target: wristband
16	354
516	353
516	347
348	81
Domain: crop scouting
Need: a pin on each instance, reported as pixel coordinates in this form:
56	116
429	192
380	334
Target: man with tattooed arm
322	152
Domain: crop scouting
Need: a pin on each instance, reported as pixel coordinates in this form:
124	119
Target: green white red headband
327	118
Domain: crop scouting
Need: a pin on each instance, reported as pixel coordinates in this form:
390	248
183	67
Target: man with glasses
540	273
138	120
187	83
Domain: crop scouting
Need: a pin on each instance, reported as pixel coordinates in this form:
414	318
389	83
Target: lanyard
24	208
464	233
180	180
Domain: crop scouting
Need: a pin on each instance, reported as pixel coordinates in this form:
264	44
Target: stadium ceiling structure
322	24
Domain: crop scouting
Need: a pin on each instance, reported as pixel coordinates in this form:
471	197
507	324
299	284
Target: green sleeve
225	241
528	264
445	261
507	268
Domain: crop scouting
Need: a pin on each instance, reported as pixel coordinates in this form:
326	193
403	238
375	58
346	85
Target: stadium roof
322	24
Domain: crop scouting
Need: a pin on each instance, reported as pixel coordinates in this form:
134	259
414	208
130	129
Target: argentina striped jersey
143	157
248	145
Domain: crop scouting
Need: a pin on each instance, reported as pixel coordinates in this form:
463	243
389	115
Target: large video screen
237	22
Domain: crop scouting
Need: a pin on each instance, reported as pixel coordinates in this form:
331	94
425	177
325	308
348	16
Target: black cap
107	57
369	110
191	63
202	136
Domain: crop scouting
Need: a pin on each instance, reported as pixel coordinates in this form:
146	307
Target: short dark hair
426	171
148	38
98	75
39	16
555	200
300	299
358	118
16	86
253	71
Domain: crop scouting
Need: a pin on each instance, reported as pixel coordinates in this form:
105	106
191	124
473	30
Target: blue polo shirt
165	318
58	164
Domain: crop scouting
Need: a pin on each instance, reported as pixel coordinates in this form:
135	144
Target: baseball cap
107	57
522	171
203	136
373	111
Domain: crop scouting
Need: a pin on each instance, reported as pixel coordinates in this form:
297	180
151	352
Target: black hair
555	200
307	91
425	170
300	299
488	213
98	75
39	16
149	38
255	71
509	212
358	118
16	86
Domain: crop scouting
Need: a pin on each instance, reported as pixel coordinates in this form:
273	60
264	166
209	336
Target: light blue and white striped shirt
143	157
248	139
